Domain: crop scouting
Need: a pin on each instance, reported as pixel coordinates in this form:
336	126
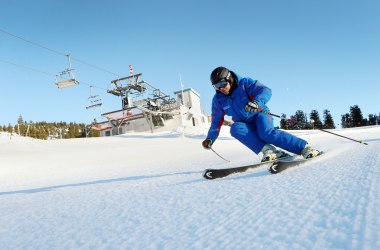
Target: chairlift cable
94	66
33	43
26	67
57	52
45	73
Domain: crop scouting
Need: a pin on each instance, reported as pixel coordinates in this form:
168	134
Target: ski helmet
219	74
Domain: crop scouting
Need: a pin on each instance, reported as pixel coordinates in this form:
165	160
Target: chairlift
94	101
66	78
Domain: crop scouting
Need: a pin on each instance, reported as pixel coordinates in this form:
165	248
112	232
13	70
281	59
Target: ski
281	165
211	174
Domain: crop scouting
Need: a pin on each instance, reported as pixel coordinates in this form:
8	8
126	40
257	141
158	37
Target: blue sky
313	54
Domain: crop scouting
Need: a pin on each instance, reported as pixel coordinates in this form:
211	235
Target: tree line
354	118
300	120
49	130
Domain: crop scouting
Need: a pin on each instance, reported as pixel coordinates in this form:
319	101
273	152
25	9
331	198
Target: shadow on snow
90	183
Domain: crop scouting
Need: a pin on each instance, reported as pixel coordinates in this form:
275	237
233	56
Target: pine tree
9	128
356	116
20	120
372	119
328	121
346	121
283	122
298	121
23	128
315	120
300	116
365	122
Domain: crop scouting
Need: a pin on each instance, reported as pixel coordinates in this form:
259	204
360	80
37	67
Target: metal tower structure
137	94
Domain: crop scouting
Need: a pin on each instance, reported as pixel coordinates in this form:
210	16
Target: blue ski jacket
233	104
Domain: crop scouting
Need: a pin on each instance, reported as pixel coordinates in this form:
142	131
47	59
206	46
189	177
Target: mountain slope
146	191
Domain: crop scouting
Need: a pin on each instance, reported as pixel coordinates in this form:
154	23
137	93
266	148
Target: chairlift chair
94	101
66	78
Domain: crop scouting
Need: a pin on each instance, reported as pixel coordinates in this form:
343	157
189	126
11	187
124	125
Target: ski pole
219	155
361	142
275	115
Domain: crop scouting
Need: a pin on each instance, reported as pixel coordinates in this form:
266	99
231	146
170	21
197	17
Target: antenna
180	79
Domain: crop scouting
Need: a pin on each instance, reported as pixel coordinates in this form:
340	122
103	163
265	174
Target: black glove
251	107
207	143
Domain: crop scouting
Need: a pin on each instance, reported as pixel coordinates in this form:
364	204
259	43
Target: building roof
186	90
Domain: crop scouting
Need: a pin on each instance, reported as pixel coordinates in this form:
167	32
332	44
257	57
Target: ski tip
207	174
273	169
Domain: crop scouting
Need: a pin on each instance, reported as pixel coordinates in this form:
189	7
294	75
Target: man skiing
245	100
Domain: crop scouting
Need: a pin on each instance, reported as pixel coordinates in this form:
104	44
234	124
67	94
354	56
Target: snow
146	191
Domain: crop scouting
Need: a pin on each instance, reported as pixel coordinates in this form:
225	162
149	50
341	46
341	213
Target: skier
245	100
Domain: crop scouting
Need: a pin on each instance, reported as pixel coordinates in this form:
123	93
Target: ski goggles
222	83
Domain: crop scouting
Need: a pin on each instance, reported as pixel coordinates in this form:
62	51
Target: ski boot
271	153
308	152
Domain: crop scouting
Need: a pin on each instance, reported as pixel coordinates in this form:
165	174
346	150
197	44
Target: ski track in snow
331	202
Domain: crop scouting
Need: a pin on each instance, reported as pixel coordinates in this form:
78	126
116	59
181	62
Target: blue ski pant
260	131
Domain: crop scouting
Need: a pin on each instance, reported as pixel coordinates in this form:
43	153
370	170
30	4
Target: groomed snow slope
146	191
